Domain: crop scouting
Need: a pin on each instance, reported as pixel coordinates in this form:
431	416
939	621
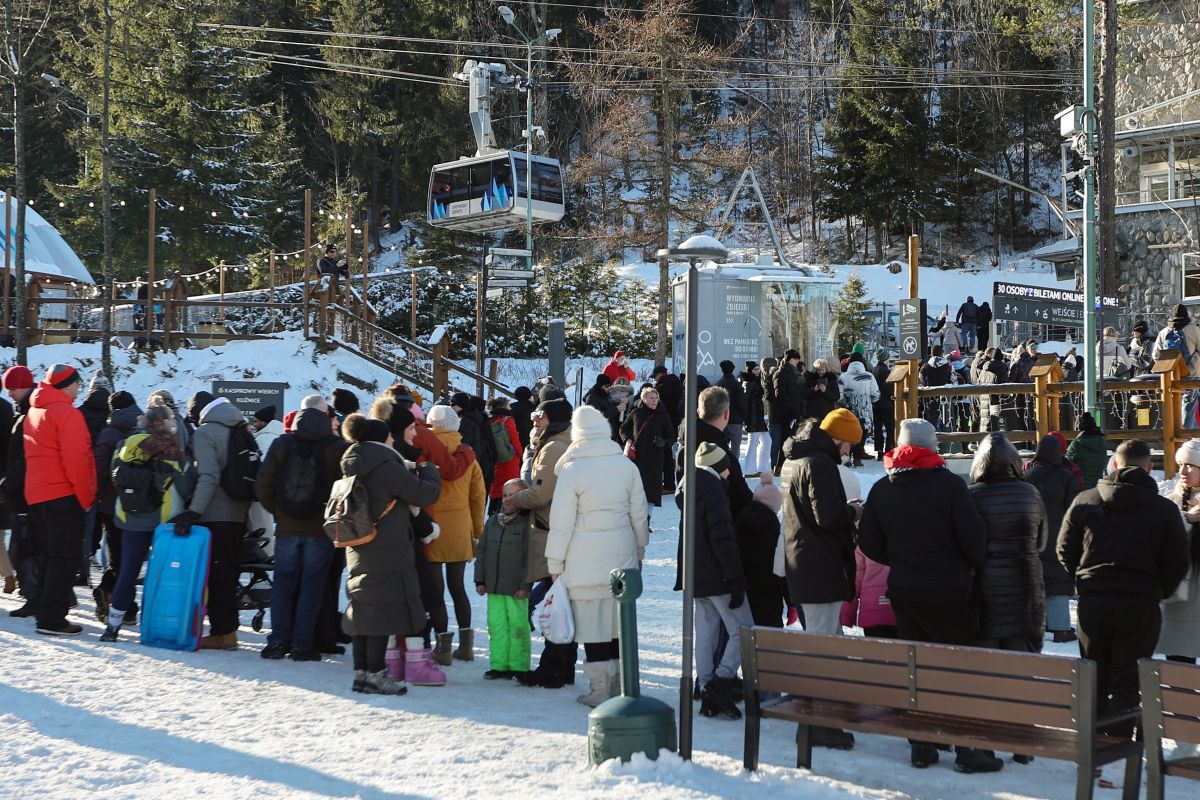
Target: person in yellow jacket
153	486
459	515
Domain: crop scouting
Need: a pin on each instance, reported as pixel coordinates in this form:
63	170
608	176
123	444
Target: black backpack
138	485
242	459
300	488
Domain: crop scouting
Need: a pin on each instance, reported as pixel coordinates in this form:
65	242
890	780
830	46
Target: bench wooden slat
1183	676
993	710
794	641
1181	701
837	668
995	687
1034	665
890	697
1184	728
1048	742
1184	768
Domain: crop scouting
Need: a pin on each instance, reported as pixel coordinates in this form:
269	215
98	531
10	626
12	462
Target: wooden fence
1048	395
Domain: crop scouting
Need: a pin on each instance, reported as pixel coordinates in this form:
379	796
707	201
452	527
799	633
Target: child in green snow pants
500	564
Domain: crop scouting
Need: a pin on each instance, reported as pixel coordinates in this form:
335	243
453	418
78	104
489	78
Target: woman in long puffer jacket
1014	601
860	391
648	427
1180	636
1089	451
1058	487
382	583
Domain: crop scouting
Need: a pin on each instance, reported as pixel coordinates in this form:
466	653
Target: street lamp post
508	16
693	249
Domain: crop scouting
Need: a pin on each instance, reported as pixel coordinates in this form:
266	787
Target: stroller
254	578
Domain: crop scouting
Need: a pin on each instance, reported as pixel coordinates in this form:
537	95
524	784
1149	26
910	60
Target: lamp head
552	34
507	14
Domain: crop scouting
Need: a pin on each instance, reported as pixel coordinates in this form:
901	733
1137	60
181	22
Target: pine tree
850	311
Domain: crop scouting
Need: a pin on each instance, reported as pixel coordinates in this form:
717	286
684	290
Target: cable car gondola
487	192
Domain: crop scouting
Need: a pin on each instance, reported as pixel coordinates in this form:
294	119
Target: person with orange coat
459	515
505	470
618	367
60	485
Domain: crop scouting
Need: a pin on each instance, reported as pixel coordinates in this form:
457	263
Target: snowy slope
81	719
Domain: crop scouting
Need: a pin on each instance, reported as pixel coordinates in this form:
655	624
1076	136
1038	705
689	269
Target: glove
184	522
737	594
433	534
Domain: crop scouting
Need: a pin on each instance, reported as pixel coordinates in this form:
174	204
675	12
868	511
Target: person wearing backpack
459	514
225	455
293	485
1182	334
474	431
508	449
150	483
383	586
1114	361
267	428
121	422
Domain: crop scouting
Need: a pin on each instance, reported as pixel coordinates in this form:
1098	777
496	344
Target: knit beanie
460	399
18	377
523	393
444	418
399	420
727	367
712	456
1188	453
60	376
119	400
345	402
98	381
1141	326
842	425
790	354
603	380
196	405
376	431
917	433
289	419
768	493
557	410
1087	422
265	414
1180	318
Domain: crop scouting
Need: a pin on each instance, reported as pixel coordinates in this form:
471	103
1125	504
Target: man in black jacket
712	408
1126	548
521	409
737	408
818	531
598	398
788	404
967	316
884	410
933	556
25	550
670	393
476	433
720	585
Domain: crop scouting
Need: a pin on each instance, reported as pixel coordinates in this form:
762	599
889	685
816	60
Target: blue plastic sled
173	594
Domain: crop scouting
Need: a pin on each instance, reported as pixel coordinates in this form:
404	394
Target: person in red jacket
505	470
60	485
618	367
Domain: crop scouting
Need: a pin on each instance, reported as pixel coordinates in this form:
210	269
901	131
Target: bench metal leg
1133	777
1085	784
753	726
804	746
1154	773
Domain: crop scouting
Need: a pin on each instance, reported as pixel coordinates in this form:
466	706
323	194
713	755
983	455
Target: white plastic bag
554	615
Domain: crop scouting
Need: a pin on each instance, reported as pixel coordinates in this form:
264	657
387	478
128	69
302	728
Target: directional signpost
507	284
1048	306
511	273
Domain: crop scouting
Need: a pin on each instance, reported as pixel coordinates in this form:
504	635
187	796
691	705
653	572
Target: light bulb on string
122	204
91	204
61	204
214	213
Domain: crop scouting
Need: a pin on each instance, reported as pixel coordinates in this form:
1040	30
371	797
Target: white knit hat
444	418
1188	453
588	423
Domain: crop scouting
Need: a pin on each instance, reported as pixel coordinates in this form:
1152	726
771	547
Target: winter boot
466	645
552	668
970	760
131	614
598	673
924	755
394	658
110	633
10	584
112	624
219	641
360	681
833	738
102	599
419	669
1062	637
380	683
716	700
441	650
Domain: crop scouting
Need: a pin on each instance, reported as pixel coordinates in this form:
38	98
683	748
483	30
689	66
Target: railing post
898	378
1170	368
493	371
441	372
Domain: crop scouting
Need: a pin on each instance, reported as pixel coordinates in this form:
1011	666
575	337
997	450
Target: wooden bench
1171	710
991	699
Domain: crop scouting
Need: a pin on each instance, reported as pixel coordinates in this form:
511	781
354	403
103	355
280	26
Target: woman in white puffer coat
598	523
860	390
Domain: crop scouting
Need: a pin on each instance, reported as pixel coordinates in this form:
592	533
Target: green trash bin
622	726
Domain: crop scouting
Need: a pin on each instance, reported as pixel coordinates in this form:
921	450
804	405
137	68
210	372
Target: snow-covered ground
83	719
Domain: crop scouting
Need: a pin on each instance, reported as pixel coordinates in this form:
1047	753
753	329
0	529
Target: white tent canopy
46	252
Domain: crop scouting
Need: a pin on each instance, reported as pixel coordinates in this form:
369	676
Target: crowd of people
536	492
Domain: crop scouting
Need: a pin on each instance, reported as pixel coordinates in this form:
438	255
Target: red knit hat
18	377
288	419
60	376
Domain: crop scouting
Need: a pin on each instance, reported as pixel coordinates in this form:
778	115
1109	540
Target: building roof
1161	134
1062	250
46	252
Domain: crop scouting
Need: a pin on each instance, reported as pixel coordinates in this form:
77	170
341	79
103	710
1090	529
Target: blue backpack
1175	340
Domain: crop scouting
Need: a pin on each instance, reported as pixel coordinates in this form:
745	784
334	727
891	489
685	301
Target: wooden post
305	288
349	252
150	269
221	278
898	378
413	310
112	288
914	247
366	263
8	245
493	371
1170	368
441	373
33	303
168	315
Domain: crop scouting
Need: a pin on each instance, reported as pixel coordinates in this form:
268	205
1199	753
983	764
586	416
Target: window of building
1191	276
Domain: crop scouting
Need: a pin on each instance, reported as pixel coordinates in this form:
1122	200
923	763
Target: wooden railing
1045	397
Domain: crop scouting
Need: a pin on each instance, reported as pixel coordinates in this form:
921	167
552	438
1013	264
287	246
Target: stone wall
1149	279
1158	58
